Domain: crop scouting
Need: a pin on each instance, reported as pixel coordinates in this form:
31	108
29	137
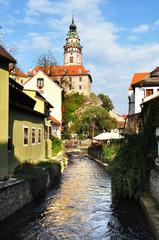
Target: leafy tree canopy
97	118
107	103
71	103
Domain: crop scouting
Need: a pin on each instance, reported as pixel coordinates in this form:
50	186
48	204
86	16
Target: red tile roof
16	72
125	116
137	78
61	70
54	119
6	56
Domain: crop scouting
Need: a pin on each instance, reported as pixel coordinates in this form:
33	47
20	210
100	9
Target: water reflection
79	208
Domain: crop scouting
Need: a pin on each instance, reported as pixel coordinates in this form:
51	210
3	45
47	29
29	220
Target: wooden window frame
148	92
25	136
50	132
33	136
40	82
39	135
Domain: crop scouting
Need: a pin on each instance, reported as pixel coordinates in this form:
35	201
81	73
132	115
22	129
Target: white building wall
51	92
136	98
139	95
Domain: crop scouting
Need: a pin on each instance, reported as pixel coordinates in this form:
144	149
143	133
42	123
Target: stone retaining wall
154	184
96	154
13	196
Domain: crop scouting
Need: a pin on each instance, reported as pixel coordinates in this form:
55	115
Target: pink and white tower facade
72	49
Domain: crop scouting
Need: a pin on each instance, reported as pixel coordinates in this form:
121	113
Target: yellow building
28	123
25	124
5	59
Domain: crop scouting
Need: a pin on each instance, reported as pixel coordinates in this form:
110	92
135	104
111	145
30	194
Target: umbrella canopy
108	135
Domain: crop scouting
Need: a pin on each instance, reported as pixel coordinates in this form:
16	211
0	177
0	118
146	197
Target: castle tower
72	49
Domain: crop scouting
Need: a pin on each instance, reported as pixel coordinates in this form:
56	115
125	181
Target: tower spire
72	49
72	18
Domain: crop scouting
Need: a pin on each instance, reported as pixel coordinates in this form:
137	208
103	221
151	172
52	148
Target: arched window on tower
71	59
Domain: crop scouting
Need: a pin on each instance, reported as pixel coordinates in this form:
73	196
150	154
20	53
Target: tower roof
73	26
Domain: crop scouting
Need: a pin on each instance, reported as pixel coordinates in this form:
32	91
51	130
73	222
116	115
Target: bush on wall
130	169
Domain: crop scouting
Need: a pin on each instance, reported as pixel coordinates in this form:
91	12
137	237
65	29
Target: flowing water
80	207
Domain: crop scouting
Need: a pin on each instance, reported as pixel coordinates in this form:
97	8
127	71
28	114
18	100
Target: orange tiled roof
16	72
137	78
61	70
125	116
54	119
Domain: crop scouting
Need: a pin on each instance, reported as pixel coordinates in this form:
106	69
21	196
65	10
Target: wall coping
9	183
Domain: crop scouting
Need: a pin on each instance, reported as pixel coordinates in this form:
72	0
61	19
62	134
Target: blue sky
119	38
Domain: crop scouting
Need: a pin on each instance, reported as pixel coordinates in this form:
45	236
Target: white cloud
142	28
111	63
30	20
5	3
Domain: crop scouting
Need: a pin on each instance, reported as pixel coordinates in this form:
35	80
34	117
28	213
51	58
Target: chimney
30	69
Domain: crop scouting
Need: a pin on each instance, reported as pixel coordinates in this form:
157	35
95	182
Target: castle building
72	49
72	76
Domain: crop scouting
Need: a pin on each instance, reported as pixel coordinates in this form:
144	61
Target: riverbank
148	205
15	194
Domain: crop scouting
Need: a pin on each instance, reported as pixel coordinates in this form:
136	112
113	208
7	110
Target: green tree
71	103
97	119
107	102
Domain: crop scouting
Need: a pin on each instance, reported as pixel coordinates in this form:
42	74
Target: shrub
36	177
54	169
57	145
109	153
131	168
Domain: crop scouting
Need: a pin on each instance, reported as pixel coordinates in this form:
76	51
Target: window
80	87
45	132
71	59
70	87
79	71
70	79
39	135
149	92
40	82
50	132
80	78
33	135
9	143
26	135
21	81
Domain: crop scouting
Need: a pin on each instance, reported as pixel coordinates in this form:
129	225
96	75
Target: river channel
80	207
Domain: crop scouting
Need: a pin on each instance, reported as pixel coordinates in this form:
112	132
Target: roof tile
137	78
